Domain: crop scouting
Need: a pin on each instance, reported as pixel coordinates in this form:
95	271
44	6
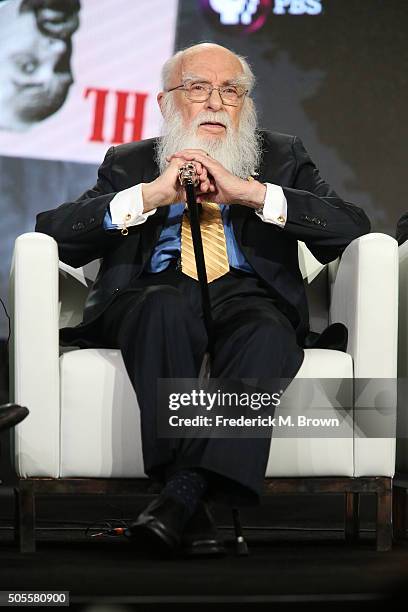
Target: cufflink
124	231
281	219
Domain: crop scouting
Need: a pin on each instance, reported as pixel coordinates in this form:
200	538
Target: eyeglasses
201	91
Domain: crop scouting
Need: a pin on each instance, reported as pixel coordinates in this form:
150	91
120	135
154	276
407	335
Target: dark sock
187	487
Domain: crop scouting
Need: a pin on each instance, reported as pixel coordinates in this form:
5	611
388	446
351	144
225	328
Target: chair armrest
402	420
365	299
403	311
34	371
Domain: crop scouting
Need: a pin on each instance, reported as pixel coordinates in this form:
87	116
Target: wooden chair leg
16	516
26	515
384	517
399	512
352	517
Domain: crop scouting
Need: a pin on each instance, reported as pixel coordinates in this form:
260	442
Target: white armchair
83	431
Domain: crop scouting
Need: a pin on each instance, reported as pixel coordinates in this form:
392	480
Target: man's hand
166	189
220	185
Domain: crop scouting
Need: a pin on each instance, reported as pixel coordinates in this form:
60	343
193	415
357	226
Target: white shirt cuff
275	208
127	205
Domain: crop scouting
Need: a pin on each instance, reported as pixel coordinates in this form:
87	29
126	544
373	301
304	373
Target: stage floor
297	556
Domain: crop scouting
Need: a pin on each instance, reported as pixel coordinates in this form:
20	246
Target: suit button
115	290
75	227
92	220
80	225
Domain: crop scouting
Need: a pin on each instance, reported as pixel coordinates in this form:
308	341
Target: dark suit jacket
316	215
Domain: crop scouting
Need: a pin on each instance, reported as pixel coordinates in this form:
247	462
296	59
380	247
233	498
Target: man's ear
160	97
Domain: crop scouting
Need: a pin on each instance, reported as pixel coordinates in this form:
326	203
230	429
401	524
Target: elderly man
260	193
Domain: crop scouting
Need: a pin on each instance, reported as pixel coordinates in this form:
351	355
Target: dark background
339	81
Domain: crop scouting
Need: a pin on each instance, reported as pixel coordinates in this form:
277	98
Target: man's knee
269	330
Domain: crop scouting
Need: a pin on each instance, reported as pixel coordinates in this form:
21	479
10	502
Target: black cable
108	528
114	523
9	321
221	527
111	527
282	528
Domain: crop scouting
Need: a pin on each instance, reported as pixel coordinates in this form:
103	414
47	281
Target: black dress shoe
200	537
11	414
160	526
334	337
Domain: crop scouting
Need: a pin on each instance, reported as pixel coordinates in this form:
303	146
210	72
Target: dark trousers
158	326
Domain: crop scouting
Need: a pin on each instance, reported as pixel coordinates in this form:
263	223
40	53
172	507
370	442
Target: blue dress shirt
169	243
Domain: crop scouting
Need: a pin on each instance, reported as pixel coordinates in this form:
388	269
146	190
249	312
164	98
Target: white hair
239	151
247	78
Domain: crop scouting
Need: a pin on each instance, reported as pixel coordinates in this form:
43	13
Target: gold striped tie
214	244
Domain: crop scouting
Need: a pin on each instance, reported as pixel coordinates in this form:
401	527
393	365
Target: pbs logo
297	7
250	15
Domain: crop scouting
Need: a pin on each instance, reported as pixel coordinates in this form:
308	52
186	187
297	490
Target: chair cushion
307	455
100	422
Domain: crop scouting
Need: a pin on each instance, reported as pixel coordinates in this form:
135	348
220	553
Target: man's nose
214	101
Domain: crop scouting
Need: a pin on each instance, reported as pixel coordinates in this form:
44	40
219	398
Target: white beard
239	150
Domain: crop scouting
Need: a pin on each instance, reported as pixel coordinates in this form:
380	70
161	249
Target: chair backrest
74	285
317	278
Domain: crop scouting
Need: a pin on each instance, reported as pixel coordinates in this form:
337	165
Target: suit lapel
238	217
239	214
